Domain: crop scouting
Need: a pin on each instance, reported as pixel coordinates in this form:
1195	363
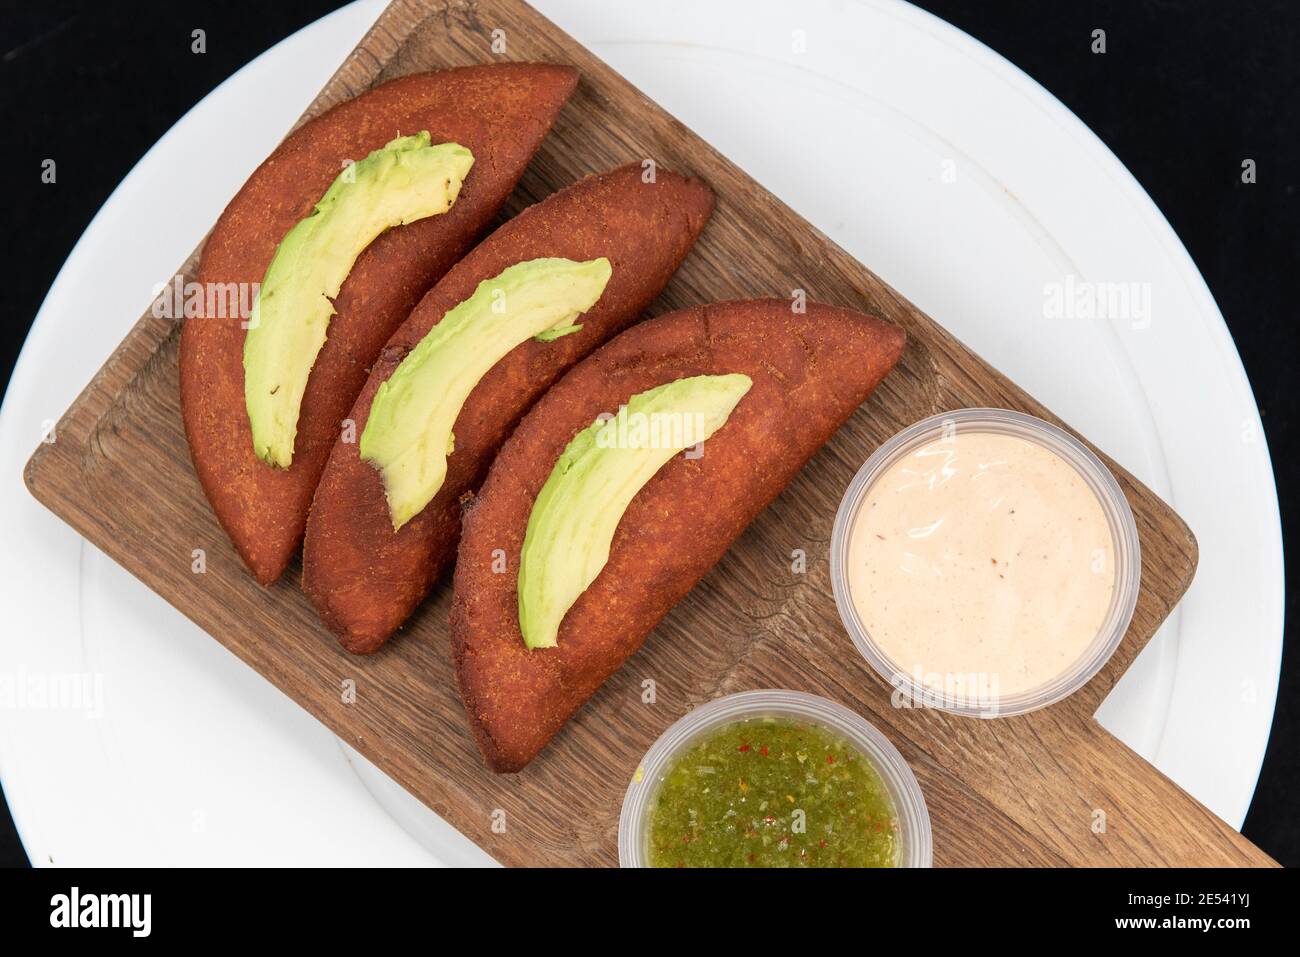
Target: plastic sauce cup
1127	557
915	848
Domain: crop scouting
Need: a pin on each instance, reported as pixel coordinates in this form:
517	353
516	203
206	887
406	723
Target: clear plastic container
1127	562
915	849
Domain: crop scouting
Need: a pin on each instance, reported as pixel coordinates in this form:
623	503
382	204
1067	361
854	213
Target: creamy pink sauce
981	555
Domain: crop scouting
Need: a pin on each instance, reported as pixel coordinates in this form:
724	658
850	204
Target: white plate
931	159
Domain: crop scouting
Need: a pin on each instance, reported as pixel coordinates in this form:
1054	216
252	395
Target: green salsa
772	792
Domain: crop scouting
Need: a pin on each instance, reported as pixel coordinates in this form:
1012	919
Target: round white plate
129	737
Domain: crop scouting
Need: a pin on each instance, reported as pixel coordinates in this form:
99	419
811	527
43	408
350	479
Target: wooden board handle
1147	818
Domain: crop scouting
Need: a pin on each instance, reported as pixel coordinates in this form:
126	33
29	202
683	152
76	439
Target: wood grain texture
1012	791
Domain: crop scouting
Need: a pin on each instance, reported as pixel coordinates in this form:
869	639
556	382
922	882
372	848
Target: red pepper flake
744	747
822	842
830	759
763	750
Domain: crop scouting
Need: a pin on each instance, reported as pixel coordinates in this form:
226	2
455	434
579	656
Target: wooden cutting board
1034	789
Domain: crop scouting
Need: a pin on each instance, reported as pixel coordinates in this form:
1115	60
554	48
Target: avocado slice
408	433
404	181
573	520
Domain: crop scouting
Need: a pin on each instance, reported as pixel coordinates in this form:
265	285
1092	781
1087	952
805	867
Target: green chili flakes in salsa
772	792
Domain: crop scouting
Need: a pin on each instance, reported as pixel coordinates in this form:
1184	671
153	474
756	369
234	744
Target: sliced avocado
573	520
406	180
408	434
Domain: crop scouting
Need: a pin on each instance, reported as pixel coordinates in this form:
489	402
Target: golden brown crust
365	579
500	113
810	372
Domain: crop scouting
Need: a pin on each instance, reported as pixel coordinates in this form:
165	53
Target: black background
1184	93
